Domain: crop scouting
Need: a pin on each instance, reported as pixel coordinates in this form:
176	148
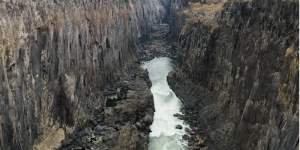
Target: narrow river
164	135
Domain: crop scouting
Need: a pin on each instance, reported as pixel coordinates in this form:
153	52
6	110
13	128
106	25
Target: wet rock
185	137
148	119
179	116
178	127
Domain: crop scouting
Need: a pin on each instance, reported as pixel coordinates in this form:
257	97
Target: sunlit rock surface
56	57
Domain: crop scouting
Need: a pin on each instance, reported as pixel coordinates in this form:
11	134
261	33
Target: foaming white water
164	135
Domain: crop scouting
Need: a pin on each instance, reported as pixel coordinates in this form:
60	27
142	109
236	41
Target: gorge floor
125	122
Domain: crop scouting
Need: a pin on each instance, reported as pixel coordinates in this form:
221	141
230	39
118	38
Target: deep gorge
71	76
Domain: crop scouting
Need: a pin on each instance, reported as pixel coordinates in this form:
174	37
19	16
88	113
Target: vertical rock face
240	62
56	57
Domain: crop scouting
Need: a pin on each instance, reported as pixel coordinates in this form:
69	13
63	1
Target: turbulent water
164	135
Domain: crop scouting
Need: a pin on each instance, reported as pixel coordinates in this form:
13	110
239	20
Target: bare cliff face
70	76
238	74
57	59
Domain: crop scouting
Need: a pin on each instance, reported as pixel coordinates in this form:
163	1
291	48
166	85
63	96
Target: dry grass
207	8
204	13
52	140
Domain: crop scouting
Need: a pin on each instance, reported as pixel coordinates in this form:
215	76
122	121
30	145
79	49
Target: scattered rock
185	137
99	128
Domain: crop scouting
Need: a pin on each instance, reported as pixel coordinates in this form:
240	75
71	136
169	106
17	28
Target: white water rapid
164	135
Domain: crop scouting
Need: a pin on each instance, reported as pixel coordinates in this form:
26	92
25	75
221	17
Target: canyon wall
238	73
56	59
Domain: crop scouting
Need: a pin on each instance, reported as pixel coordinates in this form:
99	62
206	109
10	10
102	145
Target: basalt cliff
237	73
66	64
70	75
